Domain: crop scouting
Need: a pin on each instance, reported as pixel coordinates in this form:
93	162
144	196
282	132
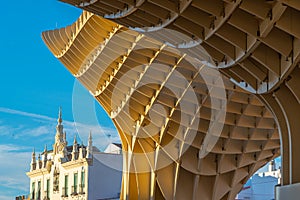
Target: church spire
39	162
75	150
65	137
90	139
89	153
59	126
59	120
81	151
45	159
59	137
33	154
33	160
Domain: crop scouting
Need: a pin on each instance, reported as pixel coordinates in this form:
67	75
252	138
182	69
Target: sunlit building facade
73	172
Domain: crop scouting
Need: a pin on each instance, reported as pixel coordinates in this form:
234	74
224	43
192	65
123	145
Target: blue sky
33	85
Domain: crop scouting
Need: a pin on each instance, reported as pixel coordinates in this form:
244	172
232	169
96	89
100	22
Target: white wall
112	148
261	188
105	176
288	192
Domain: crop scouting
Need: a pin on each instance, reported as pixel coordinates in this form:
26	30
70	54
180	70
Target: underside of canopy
187	131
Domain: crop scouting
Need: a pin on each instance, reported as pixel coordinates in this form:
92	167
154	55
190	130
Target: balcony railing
74	190
81	189
46	195
32	196
64	192
38	195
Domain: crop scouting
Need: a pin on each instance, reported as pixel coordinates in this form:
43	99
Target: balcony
46	195
81	189
64	192
74	190
38	195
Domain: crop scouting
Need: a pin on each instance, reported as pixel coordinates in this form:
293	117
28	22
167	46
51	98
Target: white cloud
45	131
99	134
13	169
16	183
6	130
42	130
5	197
5	148
27	114
15	159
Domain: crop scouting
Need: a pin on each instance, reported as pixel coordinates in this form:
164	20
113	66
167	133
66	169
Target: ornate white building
74	172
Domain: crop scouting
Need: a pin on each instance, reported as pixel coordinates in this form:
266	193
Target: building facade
73	172
262	185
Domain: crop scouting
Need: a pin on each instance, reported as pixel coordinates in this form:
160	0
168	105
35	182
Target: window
82	182
75	183
33	190
39	190
48	189
66	186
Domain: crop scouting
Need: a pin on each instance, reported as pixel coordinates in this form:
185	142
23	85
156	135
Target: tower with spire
75	149
60	144
66	171
33	161
45	158
89	152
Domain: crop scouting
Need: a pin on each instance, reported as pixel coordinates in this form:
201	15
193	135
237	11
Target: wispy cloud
102	135
12	148
12	170
27	114
18	138
5	197
15	182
